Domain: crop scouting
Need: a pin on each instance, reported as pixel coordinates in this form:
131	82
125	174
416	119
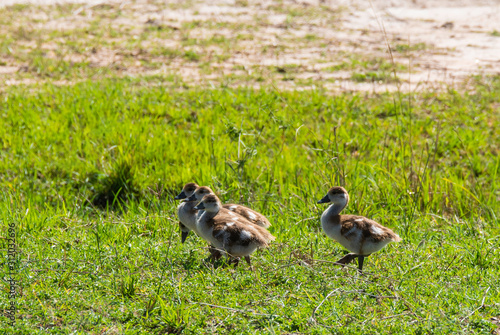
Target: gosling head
210	203
200	193
336	194
187	191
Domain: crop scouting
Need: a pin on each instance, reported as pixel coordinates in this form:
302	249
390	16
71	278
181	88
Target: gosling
359	235
248	213
236	237
186	211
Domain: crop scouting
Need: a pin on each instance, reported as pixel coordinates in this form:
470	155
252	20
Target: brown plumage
248	213
360	235
229	232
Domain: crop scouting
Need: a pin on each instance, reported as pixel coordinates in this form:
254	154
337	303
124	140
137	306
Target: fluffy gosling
359	235
236	237
247	213
187	214
186	211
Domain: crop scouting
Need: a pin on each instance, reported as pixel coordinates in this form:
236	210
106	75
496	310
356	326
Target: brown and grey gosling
187	214
359	235
186	211
237	238
247	213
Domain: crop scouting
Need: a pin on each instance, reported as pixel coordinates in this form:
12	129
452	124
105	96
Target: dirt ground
340	45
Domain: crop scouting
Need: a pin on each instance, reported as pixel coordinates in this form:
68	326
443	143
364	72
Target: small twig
410	308
451	262
480	306
321	303
307	219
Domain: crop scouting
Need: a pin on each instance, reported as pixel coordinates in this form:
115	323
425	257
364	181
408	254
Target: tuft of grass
374	77
405	48
311	37
127	286
115	188
191	56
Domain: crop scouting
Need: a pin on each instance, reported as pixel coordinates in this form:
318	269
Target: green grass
374	77
370	69
89	172
405	48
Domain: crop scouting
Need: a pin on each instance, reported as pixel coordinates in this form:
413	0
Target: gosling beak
181	195
191	198
184	235
324	200
200	206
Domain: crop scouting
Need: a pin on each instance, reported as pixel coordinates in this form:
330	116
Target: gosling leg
347	259
360	263
247	258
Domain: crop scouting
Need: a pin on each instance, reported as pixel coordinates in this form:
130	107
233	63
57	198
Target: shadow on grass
115	189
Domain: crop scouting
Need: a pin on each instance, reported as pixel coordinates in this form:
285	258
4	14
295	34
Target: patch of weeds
23	33
191	56
239	67
154	26
495	33
232	131
116	188
95	29
380	64
218	39
192	24
188	41
174	317
241	3
245	37
42	66
127	286
408	48
17	7
165	52
289	71
373	77
65	9
273	49
187	4
222	58
311	37
288	68
357	62
339	67
296	12
5	45
305	81
205	67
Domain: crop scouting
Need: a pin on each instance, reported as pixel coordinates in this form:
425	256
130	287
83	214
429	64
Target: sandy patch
290	43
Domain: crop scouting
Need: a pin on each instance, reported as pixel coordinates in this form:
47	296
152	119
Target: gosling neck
337	207
211	214
190	205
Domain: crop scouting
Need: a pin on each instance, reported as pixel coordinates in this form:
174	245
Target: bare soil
341	45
